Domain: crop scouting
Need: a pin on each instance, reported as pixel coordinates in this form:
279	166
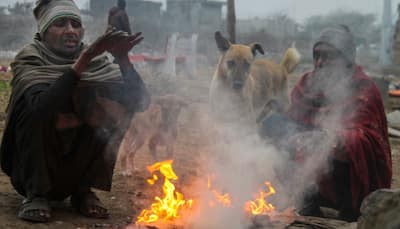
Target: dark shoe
348	215
310	209
311	203
89	205
36	209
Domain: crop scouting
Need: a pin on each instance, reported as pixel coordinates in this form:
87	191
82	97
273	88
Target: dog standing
243	84
158	125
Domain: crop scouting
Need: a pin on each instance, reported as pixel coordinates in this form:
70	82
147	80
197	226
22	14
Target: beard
333	81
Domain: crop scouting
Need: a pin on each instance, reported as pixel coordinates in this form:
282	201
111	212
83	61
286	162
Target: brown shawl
36	64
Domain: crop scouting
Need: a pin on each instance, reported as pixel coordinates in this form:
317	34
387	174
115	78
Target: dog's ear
222	43
256	47
154	109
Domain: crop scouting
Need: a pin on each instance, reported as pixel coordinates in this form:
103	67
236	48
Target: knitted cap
47	11
341	38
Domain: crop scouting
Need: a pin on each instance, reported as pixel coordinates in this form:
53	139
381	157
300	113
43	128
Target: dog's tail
291	59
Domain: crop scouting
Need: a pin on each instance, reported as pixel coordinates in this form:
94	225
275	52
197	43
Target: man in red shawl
336	114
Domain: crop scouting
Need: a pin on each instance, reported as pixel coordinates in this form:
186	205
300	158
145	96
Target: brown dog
242	84
158	125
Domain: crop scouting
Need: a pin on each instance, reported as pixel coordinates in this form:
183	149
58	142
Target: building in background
180	15
137	9
194	15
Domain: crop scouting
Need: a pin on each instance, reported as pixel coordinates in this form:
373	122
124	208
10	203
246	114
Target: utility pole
231	18
385	50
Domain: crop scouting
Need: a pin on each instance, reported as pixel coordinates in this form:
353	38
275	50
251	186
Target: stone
380	210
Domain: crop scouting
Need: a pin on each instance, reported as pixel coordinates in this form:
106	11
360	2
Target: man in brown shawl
66	112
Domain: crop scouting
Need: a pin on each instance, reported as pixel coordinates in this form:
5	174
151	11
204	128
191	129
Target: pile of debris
393	119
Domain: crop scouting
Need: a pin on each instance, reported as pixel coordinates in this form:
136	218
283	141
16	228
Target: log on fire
316	223
303	222
152	227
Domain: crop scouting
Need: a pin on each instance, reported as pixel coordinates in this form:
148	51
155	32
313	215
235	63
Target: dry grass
5	91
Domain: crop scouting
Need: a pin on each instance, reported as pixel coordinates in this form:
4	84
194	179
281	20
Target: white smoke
334	82
242	161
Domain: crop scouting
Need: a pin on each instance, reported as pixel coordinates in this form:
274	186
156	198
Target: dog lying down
158	126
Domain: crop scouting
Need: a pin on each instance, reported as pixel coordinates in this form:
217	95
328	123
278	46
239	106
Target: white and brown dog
158	126
242	84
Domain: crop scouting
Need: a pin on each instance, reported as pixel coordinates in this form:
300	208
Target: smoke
240	166
242	162
331	84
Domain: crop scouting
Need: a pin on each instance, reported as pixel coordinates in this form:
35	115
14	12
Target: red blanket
363	133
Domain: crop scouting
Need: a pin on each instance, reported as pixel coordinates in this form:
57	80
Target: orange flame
222	198
260	206
165	209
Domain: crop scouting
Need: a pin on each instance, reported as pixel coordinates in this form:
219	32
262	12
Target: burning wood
150	227
317	223
274	220
165	210
168	211
222	198
261	206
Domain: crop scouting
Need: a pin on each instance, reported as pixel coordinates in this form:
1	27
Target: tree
2	10
21	8
231	21
363	26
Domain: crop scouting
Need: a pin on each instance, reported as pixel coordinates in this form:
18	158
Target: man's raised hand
125	43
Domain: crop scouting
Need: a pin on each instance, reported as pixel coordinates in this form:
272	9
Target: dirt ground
131	194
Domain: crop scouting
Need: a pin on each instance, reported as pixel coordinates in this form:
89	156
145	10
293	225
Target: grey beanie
47	11
341	38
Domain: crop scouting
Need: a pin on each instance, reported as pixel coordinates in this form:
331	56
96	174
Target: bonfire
169	208
166	209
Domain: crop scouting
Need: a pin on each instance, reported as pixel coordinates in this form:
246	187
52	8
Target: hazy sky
297	9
